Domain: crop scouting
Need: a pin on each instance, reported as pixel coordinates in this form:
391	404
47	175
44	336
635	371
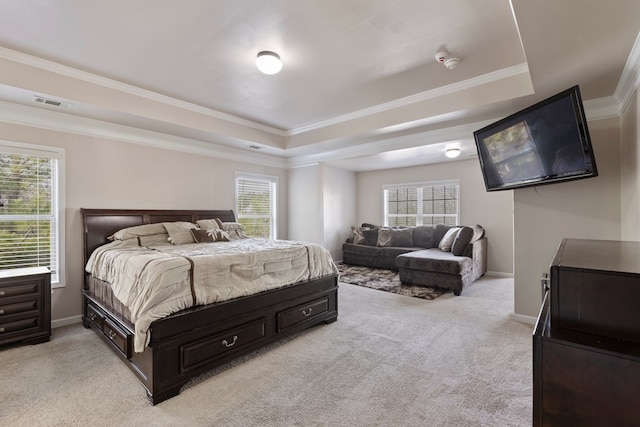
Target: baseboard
499	274
66	321
529	320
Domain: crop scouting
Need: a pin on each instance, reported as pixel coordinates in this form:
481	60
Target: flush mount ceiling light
268	62
452	153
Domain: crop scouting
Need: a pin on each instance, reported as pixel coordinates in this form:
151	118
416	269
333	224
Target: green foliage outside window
26	214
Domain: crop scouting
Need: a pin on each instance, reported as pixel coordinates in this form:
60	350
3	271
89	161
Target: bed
189	342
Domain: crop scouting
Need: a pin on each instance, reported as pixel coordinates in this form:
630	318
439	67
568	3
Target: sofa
442	256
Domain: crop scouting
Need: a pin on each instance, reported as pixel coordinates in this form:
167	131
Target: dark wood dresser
586	343
25	305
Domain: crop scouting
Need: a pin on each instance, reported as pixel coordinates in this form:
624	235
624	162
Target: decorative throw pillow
384	236
234	230
209	224
179	232
358	236
478	232
448	238
211	235
423	236
138	230
462	239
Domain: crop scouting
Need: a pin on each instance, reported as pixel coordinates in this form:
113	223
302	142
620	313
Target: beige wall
110	174
630	171
584	209
322	206
494	210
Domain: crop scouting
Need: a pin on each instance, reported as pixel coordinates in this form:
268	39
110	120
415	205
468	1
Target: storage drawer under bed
302	313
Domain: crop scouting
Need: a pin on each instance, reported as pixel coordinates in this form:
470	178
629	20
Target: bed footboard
196	340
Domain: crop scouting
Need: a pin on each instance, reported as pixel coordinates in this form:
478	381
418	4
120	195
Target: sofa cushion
370	236
435	260
423	236
395	236
462	239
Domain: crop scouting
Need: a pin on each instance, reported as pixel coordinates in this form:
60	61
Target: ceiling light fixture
268	62
452	153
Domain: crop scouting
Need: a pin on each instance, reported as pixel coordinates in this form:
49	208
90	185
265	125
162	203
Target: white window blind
256	204
29	209
426	203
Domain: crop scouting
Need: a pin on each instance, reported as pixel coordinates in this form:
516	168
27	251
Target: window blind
28	211
421	204
255	205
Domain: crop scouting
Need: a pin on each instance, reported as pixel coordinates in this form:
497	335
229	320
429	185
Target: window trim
59	200
273	180
419	185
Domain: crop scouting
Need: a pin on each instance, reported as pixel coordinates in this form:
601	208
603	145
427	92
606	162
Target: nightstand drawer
302	313
18	307
20	289
18	326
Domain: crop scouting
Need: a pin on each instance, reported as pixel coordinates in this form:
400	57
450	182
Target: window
426	203
31	206
256	204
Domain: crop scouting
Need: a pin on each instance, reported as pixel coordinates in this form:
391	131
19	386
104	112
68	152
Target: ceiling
360	88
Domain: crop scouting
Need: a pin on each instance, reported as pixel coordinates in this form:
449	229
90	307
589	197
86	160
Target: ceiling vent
51	102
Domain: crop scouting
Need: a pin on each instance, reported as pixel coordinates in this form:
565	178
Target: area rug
384	280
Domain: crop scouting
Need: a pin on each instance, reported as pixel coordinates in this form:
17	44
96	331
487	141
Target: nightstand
25	305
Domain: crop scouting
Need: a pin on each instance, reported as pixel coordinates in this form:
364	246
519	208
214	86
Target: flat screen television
545	143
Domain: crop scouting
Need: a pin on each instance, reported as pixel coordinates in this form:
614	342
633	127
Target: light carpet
385	280
389	360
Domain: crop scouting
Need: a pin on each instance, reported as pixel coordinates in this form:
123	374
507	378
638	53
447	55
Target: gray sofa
442	256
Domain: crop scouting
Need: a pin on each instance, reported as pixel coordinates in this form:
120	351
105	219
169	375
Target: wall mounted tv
545	143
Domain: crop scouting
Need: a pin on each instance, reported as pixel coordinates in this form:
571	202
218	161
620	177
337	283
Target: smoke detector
442	57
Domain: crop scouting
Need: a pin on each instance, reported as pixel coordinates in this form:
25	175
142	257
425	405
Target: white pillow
179	232
447	241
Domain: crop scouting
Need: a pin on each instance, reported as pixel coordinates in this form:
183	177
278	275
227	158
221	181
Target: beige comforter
156	281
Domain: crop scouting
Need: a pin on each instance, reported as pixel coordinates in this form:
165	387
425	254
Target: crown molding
61	122
74	73
418	97
630	78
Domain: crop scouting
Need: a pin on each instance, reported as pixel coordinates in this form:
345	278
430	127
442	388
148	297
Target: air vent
255	147
51	102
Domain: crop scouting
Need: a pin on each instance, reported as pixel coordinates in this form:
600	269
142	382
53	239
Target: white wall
339	195
322	206
630	171
109	174
584	209
305	207
494	210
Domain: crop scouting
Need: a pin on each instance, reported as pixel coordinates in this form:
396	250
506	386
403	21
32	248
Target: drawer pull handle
1	311
1	329
307	313
112	335
228	344
92	316
2	293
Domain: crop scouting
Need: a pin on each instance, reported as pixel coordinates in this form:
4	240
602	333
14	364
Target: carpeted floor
389	360
384	280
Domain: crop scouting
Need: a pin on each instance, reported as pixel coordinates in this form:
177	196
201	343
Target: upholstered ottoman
435	268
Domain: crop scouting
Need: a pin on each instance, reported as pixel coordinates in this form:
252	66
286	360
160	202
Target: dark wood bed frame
193	341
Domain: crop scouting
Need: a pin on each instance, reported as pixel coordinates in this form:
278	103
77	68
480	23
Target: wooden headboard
99	224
